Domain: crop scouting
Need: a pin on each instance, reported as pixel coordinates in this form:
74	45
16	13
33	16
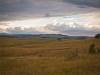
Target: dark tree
97	36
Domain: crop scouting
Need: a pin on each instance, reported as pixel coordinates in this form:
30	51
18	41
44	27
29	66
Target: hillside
44	36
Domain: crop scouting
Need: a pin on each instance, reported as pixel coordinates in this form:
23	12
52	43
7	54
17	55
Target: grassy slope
48	56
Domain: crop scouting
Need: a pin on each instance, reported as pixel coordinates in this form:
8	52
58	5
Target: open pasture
48	56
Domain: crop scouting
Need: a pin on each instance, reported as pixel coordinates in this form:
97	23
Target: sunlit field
48	56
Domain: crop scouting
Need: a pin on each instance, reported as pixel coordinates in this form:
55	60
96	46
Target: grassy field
48	56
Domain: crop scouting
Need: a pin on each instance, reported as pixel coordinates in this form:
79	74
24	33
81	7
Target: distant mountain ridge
33	35
42	35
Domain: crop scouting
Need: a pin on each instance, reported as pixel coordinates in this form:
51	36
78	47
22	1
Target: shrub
59	39
98	50
40	55
91	49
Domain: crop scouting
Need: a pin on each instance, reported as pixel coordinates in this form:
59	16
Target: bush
98	50
91	49
59	39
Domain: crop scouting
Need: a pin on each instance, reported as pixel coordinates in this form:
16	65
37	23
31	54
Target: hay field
48	56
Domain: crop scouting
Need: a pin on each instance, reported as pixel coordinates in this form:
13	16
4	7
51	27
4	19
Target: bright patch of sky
75	18
44	21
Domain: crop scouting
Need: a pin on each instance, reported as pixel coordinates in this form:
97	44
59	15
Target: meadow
48	56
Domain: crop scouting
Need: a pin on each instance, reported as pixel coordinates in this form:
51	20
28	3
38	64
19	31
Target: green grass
48	56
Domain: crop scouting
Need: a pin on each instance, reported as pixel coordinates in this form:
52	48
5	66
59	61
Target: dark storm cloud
82	6
26	9
89	3
14	10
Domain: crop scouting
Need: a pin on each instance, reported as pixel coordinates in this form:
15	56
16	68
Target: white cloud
58	28
4	23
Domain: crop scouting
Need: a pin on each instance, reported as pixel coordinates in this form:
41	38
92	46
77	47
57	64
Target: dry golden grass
48	56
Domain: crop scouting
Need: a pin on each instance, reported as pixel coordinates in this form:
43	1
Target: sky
68	17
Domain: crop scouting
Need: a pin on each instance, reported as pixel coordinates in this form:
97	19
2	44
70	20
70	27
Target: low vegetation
92	49
49	56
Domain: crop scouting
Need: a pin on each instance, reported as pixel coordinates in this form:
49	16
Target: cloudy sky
70	17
